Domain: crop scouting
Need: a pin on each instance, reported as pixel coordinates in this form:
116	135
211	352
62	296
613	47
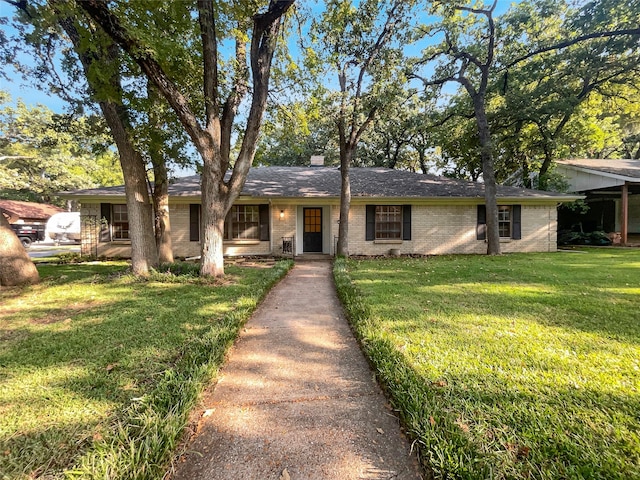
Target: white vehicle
64	226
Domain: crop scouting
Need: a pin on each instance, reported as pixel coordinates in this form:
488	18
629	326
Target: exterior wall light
281	214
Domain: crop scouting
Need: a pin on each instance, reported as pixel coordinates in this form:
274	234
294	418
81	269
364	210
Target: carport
612	190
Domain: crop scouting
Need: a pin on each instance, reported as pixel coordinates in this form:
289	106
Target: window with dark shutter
105	222
509	222
119	222
406	222
516	222
504	221
388	222
264	223
481	225
243	223
194	222
371	223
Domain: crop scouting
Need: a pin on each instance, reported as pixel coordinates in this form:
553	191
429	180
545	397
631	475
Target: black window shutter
516	222
264	223
371	223
105	227
481	227
406	222
194	222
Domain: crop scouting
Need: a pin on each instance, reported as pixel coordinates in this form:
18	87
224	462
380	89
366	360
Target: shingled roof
324	182
622	167
28	211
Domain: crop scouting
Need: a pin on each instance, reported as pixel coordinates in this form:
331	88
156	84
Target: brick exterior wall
284	227
435	230
451	229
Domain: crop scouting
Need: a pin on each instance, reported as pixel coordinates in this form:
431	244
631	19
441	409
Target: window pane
244	222
388	222
120	222
313	220
504	221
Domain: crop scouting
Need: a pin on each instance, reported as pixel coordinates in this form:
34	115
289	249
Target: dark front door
312	237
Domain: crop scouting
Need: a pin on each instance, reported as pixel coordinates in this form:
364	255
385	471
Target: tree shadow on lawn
116	348
431	292
48	449
616	267
99	272
485	425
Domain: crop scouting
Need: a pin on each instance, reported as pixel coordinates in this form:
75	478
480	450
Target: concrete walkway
297	398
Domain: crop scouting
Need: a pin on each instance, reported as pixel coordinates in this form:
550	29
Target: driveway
49	249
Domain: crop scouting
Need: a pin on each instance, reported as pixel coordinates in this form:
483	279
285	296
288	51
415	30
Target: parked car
28	232
64	226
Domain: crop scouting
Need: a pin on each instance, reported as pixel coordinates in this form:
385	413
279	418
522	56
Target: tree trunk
160	192
213	213
161	213
526	178
144	255
543	181
143	251
16	268
346	153
488	175
423	161
213	140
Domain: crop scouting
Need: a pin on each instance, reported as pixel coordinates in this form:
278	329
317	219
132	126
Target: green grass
512	367
99	370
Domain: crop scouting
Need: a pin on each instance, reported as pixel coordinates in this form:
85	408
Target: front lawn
99	370
520	366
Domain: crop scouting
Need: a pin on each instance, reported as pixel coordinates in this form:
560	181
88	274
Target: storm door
312	235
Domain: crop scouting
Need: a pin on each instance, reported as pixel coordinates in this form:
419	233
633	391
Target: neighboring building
298	207
27	212
612	189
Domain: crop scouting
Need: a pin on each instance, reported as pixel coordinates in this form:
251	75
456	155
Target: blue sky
31	95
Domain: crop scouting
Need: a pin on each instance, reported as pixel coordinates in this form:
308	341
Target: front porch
305	231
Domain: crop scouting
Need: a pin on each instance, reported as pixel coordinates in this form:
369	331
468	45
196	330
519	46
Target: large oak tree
360	44
92	66
211	133
477	54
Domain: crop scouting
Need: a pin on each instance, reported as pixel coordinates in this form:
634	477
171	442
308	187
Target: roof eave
358	200
593	171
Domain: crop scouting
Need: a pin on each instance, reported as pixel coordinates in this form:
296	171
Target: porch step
314	257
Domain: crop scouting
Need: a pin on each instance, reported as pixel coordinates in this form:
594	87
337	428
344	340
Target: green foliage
45	153
566	102
572	102
362	45
180	269
101	369
583	238
294	132
520	366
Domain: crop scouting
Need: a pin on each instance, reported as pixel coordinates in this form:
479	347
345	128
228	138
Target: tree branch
568	43
263	44
372	113
479	11
380	41
99	12
230	108
209	59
